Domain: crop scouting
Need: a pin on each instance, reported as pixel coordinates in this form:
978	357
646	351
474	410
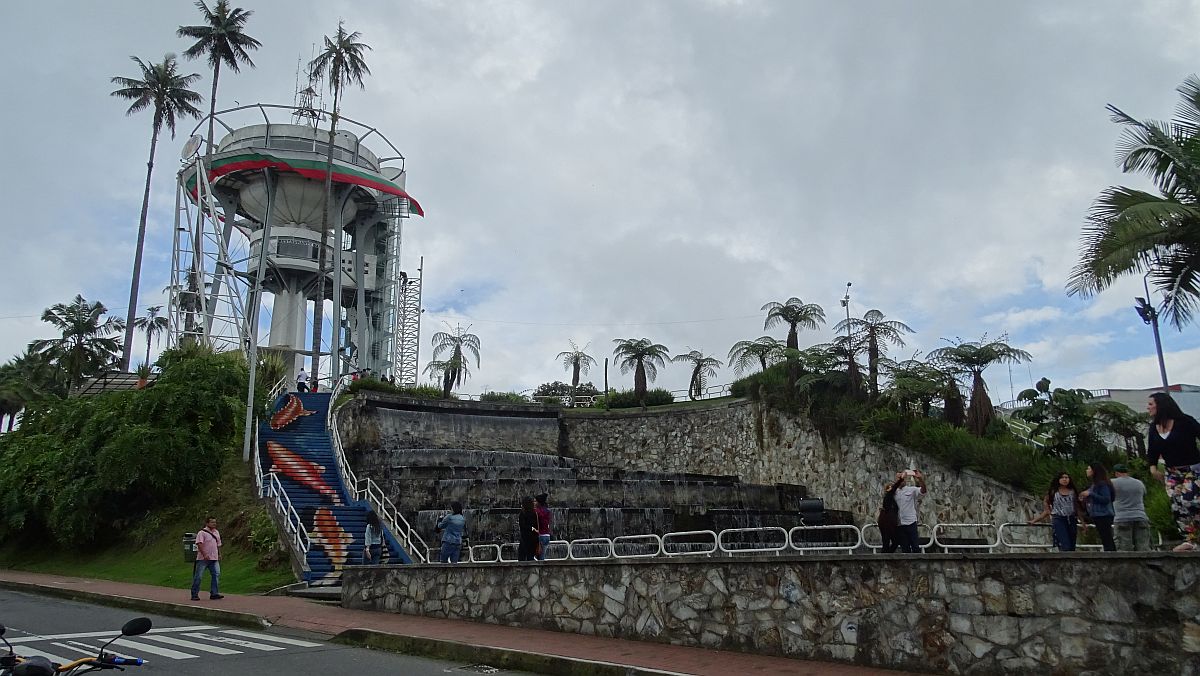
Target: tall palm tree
974	358
222	39
797	315
1133	231
161	87
764	351
86	345
454	369
876	332
703	368
450	372
152	325
645	358
341	63
579	362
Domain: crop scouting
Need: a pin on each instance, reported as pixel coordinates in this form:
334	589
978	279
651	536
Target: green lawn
152	553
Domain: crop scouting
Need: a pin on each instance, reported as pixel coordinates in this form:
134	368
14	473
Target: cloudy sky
601	170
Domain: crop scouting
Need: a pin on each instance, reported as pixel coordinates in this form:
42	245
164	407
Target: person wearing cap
544	520
1131	524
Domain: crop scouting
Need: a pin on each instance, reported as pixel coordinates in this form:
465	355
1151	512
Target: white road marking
105	634
154	649
95	650
269	637
178	642
34	652
235	641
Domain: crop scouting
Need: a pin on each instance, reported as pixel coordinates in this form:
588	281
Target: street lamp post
846	304
1149	315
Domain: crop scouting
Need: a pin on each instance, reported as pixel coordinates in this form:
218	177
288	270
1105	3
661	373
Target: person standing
1064	509
208	556
302	381
908	498
545	520
1099	499
373	540
1174	460
1130	522
527	531
889	518
452	526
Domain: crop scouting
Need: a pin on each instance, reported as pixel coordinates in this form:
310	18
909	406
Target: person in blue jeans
1099	499
373	540
451	526
1064	509
545	519
208	555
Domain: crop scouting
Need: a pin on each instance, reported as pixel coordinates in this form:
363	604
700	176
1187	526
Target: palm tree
342	63
974	358
152	325
85	346
160	87
877	333
454	370
703	368
645	358
222	40
1133	231
579	362
764	351
797	315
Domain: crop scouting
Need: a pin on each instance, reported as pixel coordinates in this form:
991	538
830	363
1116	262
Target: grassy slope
153	553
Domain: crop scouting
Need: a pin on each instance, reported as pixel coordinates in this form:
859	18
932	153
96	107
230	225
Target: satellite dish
192	145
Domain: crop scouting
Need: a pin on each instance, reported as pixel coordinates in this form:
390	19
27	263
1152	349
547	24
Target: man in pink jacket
208	555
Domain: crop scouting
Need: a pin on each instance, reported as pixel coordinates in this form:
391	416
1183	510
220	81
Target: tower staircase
296	457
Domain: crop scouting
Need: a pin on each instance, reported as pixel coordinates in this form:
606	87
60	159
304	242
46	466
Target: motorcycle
13	664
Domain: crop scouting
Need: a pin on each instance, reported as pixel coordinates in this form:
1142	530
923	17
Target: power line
590	324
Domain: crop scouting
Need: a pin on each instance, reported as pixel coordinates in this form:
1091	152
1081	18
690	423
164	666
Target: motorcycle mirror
136	626
1	629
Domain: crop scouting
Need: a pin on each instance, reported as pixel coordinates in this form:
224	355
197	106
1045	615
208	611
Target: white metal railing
833	545
666	540
366	489
765	549
990	545
297	533
584	542
922	532
631	540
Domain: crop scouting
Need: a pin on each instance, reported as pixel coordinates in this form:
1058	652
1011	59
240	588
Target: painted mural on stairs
294	444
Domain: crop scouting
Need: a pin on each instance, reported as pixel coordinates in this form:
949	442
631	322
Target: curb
230	617
506	658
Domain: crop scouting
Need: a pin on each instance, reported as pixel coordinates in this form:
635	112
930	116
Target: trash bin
189	547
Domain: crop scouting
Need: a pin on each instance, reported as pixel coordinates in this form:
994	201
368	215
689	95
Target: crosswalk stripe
154	649
34	652
216	650
235	641
105	634
95	649
269	637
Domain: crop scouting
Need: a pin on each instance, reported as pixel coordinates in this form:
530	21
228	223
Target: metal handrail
295	527
589	541
1009	526
706	552
875	548
990	546
366	489
621	539
757	550
801	547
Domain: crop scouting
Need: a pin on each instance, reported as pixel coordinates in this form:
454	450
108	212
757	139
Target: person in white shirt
908	497
302	381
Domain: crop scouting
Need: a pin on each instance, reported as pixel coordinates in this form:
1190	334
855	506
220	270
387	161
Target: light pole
1149	315
846	304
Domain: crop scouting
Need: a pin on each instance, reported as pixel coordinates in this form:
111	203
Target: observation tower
265	182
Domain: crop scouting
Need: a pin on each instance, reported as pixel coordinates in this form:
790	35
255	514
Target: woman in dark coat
1174	460
889	517
527	527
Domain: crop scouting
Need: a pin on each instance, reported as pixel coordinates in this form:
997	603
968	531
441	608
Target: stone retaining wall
762	445
1060	614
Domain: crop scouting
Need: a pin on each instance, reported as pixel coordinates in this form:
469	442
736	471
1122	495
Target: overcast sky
600	170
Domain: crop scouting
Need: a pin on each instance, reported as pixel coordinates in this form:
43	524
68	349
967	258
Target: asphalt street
67	630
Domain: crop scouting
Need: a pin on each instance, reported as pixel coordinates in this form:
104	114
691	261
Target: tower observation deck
262	193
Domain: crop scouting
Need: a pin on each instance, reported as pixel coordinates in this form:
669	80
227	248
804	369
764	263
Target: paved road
67	630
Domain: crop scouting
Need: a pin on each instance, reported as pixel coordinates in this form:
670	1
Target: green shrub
885	424
504	397
416	391
628	399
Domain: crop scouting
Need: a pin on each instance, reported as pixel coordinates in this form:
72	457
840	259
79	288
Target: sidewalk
431	636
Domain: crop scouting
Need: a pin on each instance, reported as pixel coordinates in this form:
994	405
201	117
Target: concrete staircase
294	444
